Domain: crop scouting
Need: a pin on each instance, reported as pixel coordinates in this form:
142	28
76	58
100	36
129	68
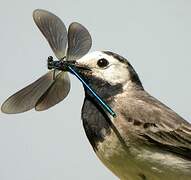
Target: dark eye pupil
102	62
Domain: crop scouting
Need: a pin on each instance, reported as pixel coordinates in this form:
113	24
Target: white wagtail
147	140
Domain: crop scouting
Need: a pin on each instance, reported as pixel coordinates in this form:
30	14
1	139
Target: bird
146	140
142	139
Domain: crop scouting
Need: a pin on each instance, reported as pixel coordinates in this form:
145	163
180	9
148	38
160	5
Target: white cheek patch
115	74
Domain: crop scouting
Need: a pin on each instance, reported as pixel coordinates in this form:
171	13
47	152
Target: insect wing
79	41
56	93
53	29
26	98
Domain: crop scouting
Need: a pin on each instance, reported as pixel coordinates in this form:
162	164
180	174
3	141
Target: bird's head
107	72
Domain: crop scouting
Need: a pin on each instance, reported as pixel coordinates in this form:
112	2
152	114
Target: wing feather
160	126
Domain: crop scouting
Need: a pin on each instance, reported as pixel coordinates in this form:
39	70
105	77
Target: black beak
79	67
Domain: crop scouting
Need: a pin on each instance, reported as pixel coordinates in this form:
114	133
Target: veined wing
41	94
53	29
26	98
56	92
79	41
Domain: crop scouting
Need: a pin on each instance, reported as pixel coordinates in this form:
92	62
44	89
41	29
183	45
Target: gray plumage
147	140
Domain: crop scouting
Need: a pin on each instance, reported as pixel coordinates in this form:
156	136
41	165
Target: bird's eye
102	62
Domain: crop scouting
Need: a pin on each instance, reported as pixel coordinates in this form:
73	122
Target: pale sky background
154	35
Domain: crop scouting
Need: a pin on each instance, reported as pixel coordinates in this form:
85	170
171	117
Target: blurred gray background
154	35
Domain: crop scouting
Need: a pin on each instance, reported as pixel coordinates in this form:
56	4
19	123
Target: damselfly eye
50	62
102	62
50	58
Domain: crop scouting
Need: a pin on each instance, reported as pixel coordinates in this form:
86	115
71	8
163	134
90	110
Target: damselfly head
50	62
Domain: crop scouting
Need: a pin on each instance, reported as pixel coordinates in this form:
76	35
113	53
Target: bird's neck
107	92
96	122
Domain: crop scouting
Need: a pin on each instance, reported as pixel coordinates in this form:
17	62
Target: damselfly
54	86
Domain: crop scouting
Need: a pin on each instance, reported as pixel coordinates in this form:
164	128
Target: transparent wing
53	29
56	93
79	41
26	98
